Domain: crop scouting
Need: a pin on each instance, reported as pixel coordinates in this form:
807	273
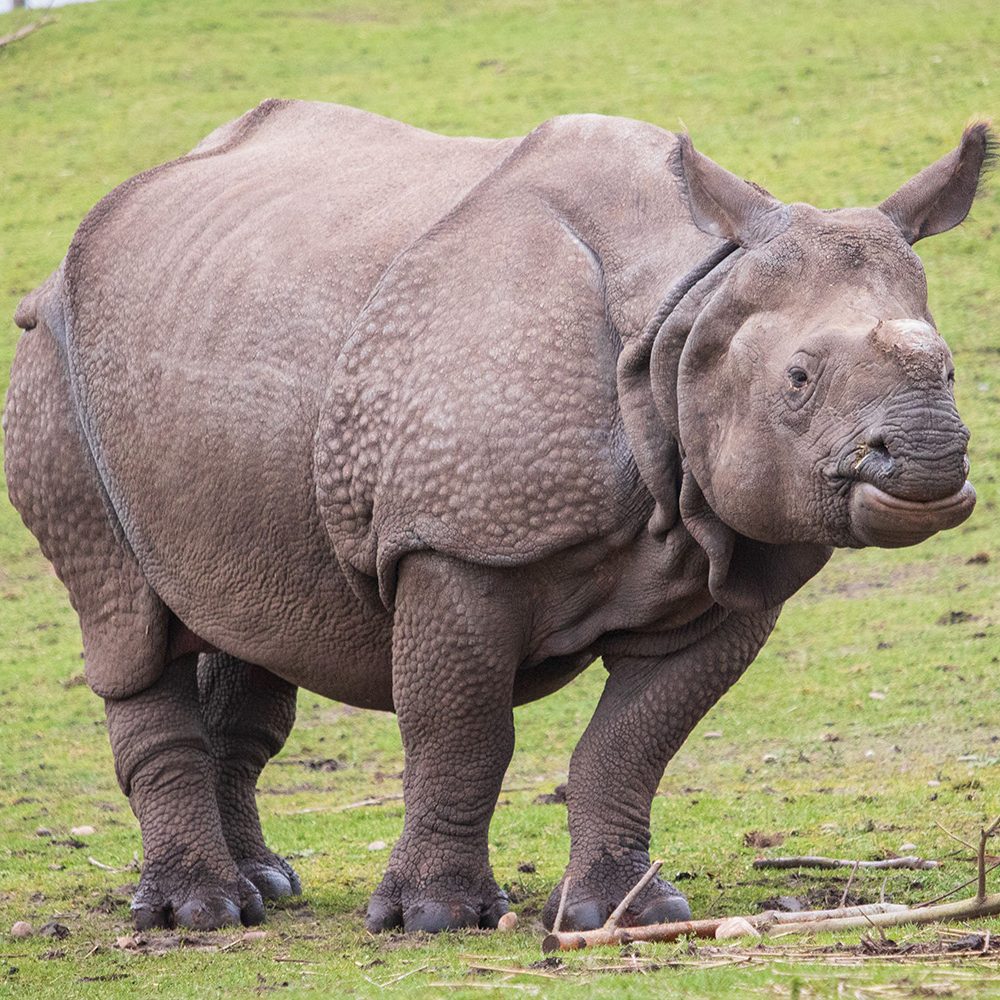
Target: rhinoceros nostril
876	445
874	463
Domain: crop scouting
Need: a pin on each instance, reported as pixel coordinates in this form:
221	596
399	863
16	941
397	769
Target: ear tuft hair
940	196
982	134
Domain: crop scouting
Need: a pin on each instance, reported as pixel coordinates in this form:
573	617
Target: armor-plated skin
429	424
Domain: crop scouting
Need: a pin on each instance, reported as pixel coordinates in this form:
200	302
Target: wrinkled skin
430	424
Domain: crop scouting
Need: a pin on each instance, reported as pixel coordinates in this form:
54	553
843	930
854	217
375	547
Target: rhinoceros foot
592	897
444	904
173	898
273	876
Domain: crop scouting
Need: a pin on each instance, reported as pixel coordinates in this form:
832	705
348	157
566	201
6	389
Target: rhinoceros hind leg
248	713
165	765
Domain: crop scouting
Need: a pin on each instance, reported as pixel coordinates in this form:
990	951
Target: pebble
22	929
769	758
82	831
43	831
377	845
507	922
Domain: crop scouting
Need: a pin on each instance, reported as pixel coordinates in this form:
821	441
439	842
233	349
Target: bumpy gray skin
430	424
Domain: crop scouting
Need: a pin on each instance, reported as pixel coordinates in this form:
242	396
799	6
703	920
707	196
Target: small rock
932	783
905	849
54	929
769	758
377	845
82	831
507	922
43	831
712	735
22	929
877	695
528	867
869	754
254	935
735	927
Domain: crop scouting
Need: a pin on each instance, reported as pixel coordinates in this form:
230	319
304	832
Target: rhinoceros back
206	301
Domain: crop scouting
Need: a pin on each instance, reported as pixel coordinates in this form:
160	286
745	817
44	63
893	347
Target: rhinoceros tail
44	303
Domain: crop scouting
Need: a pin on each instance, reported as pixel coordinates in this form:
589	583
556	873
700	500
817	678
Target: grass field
869	721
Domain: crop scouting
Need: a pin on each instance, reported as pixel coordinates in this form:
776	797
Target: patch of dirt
820	897
314	764
162	942
757	838
957	618
295	790
555	797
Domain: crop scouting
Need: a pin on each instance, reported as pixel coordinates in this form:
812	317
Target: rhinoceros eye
798	378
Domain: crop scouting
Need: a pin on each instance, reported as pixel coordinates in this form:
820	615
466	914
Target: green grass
834	103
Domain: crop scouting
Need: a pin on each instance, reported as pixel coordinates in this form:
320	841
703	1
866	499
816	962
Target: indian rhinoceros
430	424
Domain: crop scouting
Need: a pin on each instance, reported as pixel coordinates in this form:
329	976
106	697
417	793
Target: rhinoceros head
814	394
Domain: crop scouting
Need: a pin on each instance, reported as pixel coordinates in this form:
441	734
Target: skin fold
431	424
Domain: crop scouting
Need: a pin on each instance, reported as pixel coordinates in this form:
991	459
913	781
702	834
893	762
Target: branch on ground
808	861
16	36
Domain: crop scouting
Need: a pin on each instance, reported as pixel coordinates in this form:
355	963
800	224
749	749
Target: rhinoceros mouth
879	518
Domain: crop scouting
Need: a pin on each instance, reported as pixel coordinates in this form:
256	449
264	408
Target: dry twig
876	915
562	906
847	888
612	921
984	835
23	32
808	861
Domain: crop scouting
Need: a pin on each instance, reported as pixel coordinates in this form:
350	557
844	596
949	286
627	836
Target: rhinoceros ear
744	574
722	204
940	196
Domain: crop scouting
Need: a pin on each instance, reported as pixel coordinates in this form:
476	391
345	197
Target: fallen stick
988	906
814	862
808	922
984	836
16	36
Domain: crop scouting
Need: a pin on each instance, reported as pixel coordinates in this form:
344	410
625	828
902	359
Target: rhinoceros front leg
248	713
457	642
648	708
165	766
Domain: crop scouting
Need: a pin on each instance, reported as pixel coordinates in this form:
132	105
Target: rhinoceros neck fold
647	375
